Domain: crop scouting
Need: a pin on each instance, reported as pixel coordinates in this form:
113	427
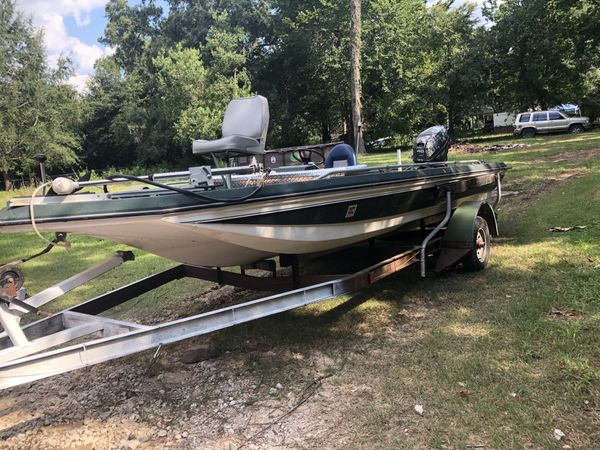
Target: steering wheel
308	156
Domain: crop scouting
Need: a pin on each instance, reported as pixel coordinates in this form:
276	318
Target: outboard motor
432	145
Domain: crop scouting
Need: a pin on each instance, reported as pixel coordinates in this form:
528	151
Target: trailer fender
458	238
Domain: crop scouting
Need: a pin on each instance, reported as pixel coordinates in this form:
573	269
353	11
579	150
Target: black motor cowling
432	145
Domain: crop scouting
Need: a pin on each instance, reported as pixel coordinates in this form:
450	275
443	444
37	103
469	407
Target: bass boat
239	215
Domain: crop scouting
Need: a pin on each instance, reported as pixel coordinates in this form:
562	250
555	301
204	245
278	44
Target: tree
355	85
538	51
39	112
193	99
189	21
392	63
452	76
306	72
586	17
110	140
174	71
156	105
131	30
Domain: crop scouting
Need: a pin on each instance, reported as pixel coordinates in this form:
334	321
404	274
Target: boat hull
242	233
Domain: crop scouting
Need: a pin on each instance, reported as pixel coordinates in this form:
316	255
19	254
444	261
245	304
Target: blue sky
72	27
89	33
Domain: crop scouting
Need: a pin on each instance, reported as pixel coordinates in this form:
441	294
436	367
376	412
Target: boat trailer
40	349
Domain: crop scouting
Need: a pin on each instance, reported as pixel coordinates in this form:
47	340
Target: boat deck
223	179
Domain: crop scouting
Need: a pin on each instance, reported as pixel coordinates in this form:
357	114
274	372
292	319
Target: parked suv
531	123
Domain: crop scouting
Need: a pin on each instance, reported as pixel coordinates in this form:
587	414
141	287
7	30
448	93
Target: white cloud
50	15
79	82
79	9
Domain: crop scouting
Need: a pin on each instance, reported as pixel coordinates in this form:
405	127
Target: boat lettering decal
351	211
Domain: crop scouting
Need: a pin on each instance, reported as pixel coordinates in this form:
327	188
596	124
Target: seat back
342	155
248	117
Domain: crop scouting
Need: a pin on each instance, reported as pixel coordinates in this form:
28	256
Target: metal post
498	190
42	159
436	230
10	322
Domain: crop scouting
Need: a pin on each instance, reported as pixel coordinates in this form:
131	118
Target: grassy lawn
499	358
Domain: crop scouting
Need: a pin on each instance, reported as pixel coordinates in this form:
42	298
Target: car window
524	117
538	117
555	115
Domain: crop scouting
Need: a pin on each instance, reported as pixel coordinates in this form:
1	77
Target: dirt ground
225	402
471	148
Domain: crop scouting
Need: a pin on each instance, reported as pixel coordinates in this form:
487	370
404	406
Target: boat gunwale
417	175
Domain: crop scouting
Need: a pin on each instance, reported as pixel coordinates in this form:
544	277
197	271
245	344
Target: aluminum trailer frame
21	363
38	350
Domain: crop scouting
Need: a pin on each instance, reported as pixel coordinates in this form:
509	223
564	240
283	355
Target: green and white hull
316	214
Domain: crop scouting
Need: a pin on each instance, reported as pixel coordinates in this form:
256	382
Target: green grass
496	335
489	355
463	344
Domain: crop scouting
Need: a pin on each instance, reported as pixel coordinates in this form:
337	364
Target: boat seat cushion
244	129
342	155
233	144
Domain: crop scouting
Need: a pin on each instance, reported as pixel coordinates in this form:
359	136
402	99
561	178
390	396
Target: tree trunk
325	132
451	117
8	181
355	48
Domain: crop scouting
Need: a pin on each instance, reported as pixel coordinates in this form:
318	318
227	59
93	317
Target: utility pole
355	49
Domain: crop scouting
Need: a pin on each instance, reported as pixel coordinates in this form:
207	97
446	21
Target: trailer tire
478	258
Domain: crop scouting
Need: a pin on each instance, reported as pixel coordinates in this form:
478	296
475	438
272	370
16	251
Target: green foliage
153	105
108	138
392	65
542	50
193	99
453	69
175	69
306	77
130	30
39	112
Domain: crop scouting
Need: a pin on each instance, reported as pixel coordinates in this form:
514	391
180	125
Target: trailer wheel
479	256
8	272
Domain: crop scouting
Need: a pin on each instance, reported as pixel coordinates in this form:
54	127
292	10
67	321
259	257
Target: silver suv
531	123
